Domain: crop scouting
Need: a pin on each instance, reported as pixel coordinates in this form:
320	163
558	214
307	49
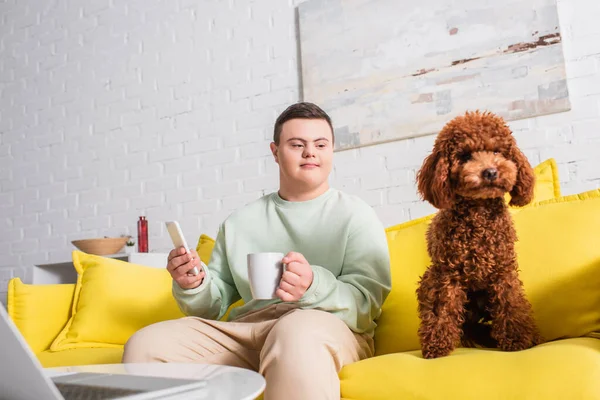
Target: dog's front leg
513	325
441	307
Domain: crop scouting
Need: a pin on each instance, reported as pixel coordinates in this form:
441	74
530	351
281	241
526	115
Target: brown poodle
471	294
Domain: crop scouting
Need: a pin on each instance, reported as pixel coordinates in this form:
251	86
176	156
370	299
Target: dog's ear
522	192
433	179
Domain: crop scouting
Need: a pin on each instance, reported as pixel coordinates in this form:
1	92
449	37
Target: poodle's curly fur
471	294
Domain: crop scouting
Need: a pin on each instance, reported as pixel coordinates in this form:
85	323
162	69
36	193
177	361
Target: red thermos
142	228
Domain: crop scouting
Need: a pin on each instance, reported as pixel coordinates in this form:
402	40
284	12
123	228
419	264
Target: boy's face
304	153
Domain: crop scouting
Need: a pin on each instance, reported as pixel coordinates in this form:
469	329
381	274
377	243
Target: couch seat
82	356
563	369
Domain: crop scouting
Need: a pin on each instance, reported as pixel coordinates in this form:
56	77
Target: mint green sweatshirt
338	234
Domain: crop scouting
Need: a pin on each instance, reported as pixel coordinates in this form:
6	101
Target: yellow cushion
559	261
547	182
113	299
559	257
397	326
565	369
82	356
39	311
204	247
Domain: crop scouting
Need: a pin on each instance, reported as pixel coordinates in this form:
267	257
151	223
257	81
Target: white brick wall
110	109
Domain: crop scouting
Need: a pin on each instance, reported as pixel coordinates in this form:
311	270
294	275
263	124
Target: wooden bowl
101	246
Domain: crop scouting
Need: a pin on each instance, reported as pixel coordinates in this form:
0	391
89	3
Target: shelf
64	272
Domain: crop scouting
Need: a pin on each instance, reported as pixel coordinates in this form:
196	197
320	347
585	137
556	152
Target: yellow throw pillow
559	261
547	182
113	299
204	247
397	326
559	257
39	311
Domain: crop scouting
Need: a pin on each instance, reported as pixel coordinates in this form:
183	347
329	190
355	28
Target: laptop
22	377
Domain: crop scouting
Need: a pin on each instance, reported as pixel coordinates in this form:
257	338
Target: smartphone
178	240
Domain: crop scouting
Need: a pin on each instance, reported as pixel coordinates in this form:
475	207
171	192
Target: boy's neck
289	194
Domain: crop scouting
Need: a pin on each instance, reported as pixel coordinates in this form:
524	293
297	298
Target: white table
64	272
225	383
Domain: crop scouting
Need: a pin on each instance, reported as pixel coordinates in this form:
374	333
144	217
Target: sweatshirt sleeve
357	294
216	292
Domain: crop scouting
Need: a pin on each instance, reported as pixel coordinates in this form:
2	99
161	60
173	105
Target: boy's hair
302	110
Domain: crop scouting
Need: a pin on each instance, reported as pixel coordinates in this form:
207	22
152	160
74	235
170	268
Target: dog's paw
430	352
515	345
435	351
517	342
439	339
517	337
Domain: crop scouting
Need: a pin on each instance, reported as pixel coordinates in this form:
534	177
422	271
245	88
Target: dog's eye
465	156
496	152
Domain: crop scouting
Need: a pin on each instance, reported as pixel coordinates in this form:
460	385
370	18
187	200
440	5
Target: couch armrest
39	311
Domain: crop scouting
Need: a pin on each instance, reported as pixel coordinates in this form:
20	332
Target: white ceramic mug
264	274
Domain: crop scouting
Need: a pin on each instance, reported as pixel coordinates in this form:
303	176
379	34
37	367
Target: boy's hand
179	266
296	279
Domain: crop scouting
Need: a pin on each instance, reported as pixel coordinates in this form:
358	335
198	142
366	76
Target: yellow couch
559	258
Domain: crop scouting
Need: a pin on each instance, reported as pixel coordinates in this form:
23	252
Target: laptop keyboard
81	392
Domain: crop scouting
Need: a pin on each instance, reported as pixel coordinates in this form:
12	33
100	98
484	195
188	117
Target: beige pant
299	352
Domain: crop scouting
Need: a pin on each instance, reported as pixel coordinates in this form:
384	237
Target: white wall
115	108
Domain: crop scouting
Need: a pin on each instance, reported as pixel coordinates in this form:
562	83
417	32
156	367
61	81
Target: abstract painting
390	69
